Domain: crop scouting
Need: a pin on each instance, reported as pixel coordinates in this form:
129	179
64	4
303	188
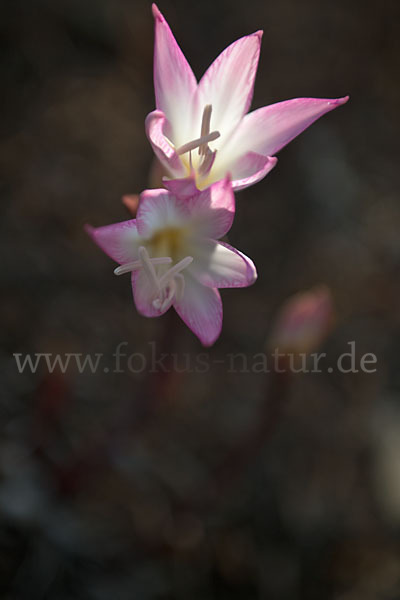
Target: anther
157	303
210	137
172	281
173	271
170	296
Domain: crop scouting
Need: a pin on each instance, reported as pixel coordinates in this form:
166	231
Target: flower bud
303	321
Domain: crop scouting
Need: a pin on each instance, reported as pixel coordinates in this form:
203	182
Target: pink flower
202	129
175	260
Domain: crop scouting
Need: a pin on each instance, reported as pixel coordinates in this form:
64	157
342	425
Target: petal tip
254	277
340	101
89	229
228	179
207	343
156	12
259	34
252	274
209	340
273	160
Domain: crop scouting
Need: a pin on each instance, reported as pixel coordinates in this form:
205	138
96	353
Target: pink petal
158	209
155	124
144	294
268	129
182	188
174	82
212	210
201	310
218	265
250	168
120	240
229	82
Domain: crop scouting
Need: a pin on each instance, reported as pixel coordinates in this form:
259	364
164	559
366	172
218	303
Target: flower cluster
209	147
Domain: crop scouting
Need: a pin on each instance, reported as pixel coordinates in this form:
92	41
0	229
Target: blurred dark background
221	484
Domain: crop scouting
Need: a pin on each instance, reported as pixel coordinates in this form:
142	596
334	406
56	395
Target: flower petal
174	82
144	294
158	209
156	124
201	310
251	168
120	241
228	83
217	264
212	211
268	129
183	188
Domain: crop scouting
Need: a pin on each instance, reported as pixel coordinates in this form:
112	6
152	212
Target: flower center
167	241
207	156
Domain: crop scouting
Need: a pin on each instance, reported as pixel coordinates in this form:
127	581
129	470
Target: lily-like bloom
172	253
201	130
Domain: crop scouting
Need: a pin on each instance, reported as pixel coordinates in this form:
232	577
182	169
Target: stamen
148	267
171	294
157	303
207	163
210	137
137	264
173	271
205	127
132	266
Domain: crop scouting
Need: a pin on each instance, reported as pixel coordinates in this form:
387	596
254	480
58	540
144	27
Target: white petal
229	82
157	126
251	168
212	211
268	129
174	82
159	209
201	310
217	264
120	241
144	295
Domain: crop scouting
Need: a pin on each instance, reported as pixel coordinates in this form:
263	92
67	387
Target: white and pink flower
201	130
172	252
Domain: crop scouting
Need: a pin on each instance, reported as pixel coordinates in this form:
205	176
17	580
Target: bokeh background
189	485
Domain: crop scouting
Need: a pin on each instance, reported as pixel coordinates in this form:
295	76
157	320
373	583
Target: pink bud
303	321
131	202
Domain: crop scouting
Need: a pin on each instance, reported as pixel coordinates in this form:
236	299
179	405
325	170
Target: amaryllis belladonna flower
172	253
202	129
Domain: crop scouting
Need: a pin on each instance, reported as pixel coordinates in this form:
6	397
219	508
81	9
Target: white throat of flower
168	285
207	156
